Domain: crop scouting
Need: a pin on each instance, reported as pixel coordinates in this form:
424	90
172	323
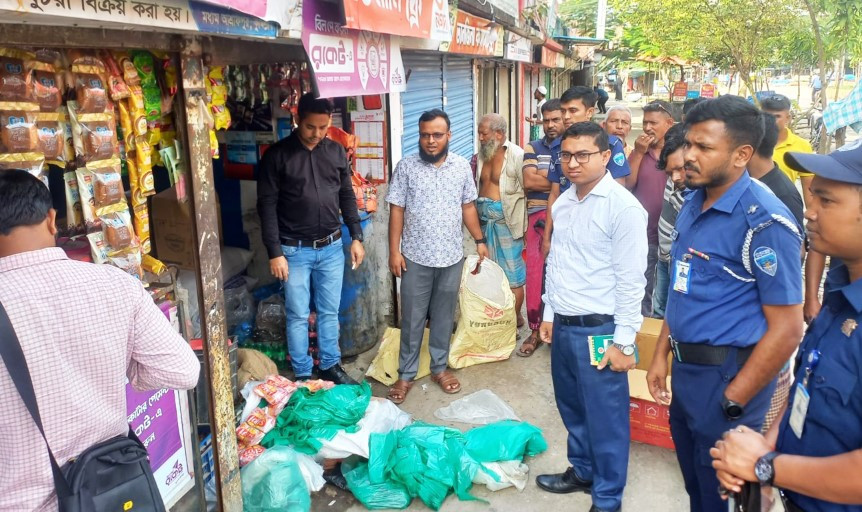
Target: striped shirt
598	257
84	329
673	199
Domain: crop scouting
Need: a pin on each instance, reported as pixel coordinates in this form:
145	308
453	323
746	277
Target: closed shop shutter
424	92
458	79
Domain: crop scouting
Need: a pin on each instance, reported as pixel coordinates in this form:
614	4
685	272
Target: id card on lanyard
801	397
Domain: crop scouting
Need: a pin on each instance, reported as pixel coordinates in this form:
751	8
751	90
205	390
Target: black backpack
112	475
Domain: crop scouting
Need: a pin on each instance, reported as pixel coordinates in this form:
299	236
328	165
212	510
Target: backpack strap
16	365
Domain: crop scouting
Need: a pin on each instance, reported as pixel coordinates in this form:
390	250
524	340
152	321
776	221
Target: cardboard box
646	340
173	228
649	420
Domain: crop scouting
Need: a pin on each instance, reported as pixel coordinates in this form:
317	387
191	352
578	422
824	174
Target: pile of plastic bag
430	461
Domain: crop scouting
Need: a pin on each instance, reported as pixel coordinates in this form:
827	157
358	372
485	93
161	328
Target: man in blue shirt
734	311
815	453
578	105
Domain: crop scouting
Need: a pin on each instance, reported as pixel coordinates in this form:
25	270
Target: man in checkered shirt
83	329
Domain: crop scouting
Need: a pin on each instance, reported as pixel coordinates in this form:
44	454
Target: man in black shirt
303	182
763	168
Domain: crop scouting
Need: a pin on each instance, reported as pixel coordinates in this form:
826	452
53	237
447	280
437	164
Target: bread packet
108	192
18	132
94	134
51	135
33	162
16	79
119	233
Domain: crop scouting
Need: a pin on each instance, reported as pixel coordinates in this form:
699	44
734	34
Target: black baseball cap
843	164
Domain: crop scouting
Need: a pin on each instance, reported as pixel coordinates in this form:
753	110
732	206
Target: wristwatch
481	241
627	350
764	469
732	410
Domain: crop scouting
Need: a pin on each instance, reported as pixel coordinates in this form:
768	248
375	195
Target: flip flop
398	391
531	344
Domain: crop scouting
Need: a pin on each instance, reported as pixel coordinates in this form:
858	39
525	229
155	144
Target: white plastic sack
487	330
250	405
381	417
510	473
312	472
479	408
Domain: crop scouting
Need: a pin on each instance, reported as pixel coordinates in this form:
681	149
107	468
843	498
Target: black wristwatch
481	241
357	237
732	410
764	468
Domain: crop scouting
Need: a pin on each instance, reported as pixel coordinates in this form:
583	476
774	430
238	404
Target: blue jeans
662	288
325	269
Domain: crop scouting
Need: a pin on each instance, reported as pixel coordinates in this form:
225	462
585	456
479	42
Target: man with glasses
502	203
734	313
594	287
430	196
647	182
539	156
578	104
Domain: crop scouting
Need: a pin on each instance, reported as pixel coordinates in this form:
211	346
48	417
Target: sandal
447	381
530	345
398	392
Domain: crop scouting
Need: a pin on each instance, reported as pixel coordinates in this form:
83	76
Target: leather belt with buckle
711	355
584	320
320	243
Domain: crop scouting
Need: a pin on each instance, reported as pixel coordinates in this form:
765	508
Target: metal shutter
458	89
424	92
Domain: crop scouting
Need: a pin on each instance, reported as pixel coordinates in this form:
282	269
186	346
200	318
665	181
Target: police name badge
800	409
766	260
681	276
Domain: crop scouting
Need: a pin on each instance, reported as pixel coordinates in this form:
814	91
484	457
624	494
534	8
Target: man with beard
734	314
619	124
502	203
430	195
671	161
539	156
578	104
647	182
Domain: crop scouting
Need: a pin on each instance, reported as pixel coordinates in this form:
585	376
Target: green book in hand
599	345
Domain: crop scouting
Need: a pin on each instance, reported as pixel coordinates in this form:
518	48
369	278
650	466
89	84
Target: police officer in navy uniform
815	453
734	311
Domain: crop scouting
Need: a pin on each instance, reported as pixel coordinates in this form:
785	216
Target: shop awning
426	19
476	36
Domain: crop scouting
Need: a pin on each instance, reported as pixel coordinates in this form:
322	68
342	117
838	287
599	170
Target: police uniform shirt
730	260
617	165
833	422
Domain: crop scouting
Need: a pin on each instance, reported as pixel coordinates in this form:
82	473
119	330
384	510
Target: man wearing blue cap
815	453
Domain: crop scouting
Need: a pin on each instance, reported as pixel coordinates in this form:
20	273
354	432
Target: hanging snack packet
51	138
86	185
34	163
145	65
108	192
126	125
74	214
90	93
68	143
46	87
98	247
137	111
141	220
18	132
152	265
128	261
116	84
16	80
119	233
95	135
127	68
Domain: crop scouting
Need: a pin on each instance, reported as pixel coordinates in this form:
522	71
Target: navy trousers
594	406
697	421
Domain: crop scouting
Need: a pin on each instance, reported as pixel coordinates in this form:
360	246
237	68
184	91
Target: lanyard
810	364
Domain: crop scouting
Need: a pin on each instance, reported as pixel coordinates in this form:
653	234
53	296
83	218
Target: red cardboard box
649	420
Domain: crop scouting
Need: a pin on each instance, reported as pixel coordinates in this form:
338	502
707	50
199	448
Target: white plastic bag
381	417
250	405
312	472
479	408
510	473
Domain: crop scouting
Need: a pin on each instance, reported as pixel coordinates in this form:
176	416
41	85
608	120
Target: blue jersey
729	261
832	424
617	165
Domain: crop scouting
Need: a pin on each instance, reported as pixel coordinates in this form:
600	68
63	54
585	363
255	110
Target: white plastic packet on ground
250	405
510	473
312	472
479	408
381	417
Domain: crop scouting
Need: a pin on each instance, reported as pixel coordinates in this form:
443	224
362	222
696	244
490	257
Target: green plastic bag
505	440
375	496
309	416
273	482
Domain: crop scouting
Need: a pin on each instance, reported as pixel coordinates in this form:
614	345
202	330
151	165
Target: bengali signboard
425	19
183	15
518	48
707	91
348	62
476	36
550	58
680	91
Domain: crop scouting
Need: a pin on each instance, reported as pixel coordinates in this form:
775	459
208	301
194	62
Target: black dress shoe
563	483
337	375
597	509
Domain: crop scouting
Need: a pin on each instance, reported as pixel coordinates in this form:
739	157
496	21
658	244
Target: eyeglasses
581	158
661	107
428	136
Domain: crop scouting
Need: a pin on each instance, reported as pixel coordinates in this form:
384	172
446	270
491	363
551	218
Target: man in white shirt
594	286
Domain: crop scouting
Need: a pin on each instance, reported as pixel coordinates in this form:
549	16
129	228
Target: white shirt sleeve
629	253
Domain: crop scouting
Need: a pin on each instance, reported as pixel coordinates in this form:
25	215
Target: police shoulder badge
766	260
848	327
620	158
